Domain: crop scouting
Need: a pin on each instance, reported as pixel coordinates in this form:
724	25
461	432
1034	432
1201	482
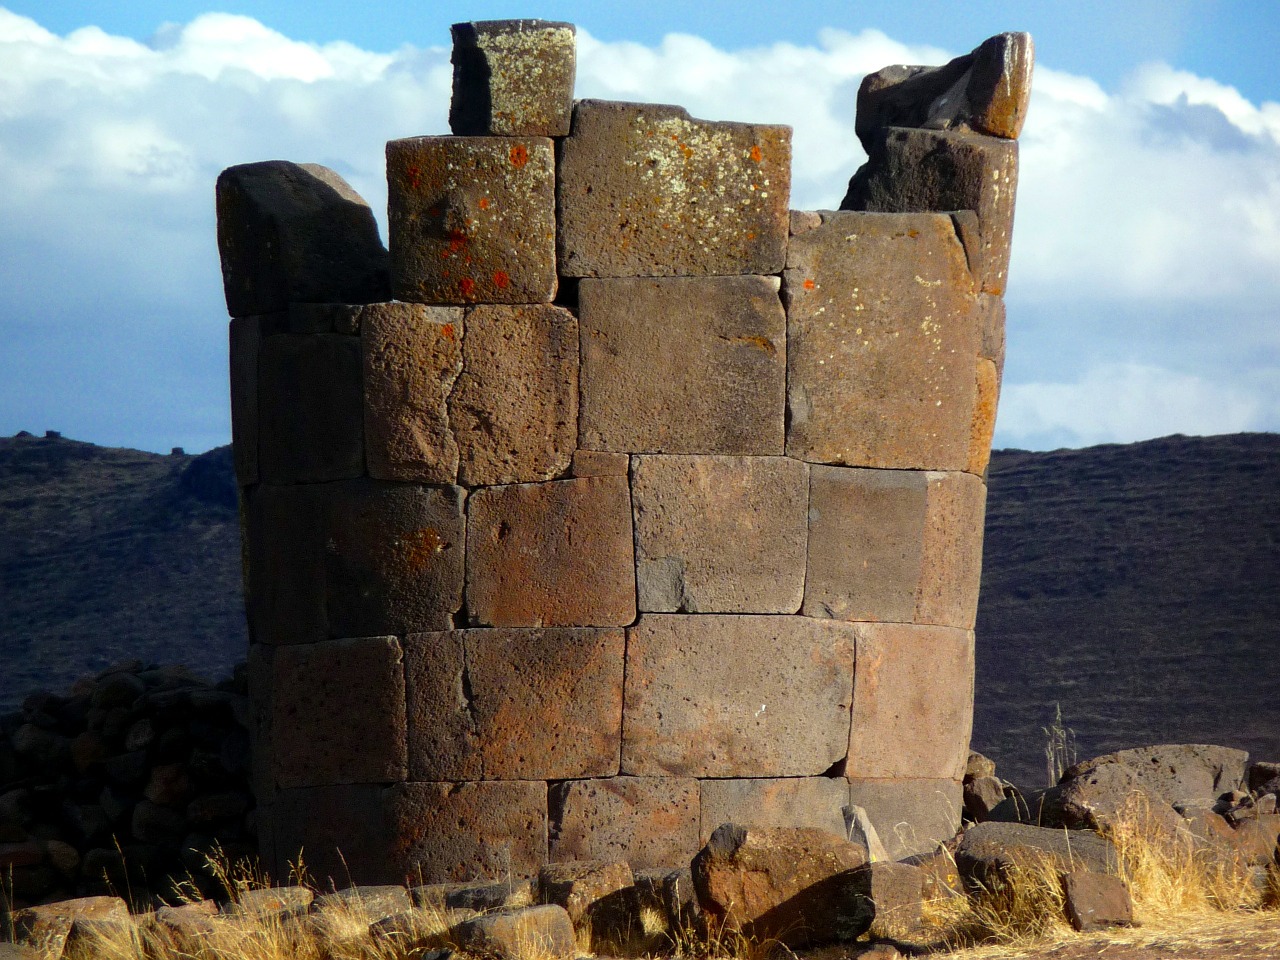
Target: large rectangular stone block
951	553
412	355
817	802
339	832
882	337
912	702
512	78
736	696
472	219
645	821
450	832
911	816
720	534
244	338
311	425
645	190
284	553
338	713
551	554
685	365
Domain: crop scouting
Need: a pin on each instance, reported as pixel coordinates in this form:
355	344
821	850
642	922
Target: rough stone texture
817	802
918	170
862	830
589	890
988	851
882	337
270	901
991	310
45	928
472	219
736	696
512	78
986	91
283	530
481	896
645	190
1261	775
720	534
443	741
598	463
646	821
951	554
911	816
412	355
543	931
551	554
292	232
244	342
343	318
468	831
983	427
792	884
981	796
338	713
515	409
1095	901
683	365
310	427
1174	771
912	703
890	900
1258	840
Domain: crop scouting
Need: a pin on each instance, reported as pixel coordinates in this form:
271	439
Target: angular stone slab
912	703
514	411
646	821
412	355
882	337
951	553
684	365
244	338
448	832
910	816
920	170
645	190
541	931
720	534
339	832
472	219
310	426
816	802
736	696
338	713
290	233
512	78
551	554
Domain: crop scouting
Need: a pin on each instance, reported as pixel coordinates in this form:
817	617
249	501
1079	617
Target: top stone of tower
512	78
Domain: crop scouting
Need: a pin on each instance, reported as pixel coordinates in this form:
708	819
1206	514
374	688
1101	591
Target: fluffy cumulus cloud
1145	252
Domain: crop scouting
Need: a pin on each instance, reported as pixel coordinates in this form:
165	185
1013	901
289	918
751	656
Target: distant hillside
1138	586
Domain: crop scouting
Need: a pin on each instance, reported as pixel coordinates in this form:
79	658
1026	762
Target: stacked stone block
616	501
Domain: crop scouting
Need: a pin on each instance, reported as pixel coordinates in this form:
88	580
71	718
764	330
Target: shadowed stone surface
989	851
291	232
912	703
882	338
890	900
683	365
645	190
719	534
443	740
339	832
512	78
596	893
817	802
736	696
283	530
910	816
1095	901
472	219
244	338
646	821
412	355
551	554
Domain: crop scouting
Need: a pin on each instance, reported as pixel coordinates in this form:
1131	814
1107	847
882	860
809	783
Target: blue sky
1146	276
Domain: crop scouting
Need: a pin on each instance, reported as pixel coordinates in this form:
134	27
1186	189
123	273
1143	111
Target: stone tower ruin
614	500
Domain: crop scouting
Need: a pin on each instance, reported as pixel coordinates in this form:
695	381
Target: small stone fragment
595	893
542	931
911	816
1095	901
890	900
512	78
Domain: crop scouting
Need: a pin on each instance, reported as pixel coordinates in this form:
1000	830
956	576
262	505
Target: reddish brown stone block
472	219
512	78
911	816
983	428
245	340
551	554
736	696
645	190
817	802
443	739
597	463
951	552
683	365
646	821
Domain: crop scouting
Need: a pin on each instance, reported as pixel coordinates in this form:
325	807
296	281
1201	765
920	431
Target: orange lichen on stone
809	284
421	546
466	286
501	280
519	155
755	153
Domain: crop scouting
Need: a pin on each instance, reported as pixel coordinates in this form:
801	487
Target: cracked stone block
551	554
720	534
338	713
412	355
514	410
882	337
736	696
645	821
683	365
443	742
911	816
290	233
310	398
512	78
472	219
912	703
245	339
451	832
597	463
339	832
817	802
645	190
543	931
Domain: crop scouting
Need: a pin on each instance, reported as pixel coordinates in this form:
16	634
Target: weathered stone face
338	831
443	739
512	78
719	534
647	191
244	342
646	821
472	219
685	365
283	530
882	339
736	696
951	551
911	816
816	802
